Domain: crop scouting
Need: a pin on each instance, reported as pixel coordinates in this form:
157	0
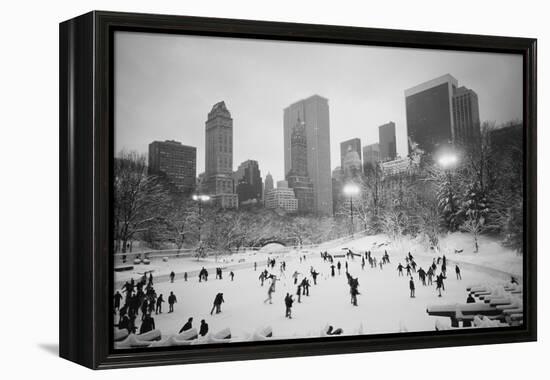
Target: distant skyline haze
165	85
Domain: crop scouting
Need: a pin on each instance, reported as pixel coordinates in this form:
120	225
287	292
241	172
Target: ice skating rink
384	305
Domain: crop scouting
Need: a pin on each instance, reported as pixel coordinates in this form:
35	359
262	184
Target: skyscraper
268	182
371	155
466	118
430	122
346	146
314	113
248	181
219	156
174	161
386	139
282	198
297	176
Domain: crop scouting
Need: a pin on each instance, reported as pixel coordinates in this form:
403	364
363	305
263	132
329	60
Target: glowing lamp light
202	198
351	189
447	160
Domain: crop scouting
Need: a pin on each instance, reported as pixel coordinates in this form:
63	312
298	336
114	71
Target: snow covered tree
448	201
474	209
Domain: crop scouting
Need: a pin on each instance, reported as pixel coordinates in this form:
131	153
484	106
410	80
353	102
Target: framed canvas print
238	189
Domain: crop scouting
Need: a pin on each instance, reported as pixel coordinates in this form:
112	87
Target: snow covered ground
384	302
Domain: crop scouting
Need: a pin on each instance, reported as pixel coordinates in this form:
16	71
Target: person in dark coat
408	268
314	274
339	266
232	275
299	293
117	297
188	325
171	301
204	328
255	266
288	305
160	300
147	325
411	287
470	298
218	300
185	276
144	308
172	276
457	270
400	269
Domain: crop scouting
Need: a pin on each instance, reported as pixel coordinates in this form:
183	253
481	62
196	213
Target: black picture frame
86	146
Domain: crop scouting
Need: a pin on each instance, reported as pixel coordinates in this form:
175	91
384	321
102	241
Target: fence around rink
192	252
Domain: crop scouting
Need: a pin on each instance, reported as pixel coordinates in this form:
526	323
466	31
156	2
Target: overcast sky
165	85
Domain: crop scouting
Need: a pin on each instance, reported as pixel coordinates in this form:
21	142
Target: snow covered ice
384	303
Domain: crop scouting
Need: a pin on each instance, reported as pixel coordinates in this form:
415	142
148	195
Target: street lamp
351	190
448	161
200	199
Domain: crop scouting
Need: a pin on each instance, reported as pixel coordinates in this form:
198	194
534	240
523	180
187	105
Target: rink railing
192	252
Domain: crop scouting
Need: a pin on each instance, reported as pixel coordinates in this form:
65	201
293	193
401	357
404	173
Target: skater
314	275
299	293
270	292
295	277
171	301
204	328
147	325
457	270
362	263
218	300
332	270
232	275
470	298
262	278
400	270
439	284
158	309
117	297
346	267
288	304
185	276
408	268
187	326
339	266
354	292
172	275
411	287
255	266
422	276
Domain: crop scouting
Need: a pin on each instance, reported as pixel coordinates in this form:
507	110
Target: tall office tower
346	146
248	180
314	113
337	187
268	184
430	122
281	198
352	165
466	119
386	139
219	157
177	162
297	176
371	155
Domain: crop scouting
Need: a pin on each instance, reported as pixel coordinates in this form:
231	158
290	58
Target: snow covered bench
463	312
139	341
120	334
190	334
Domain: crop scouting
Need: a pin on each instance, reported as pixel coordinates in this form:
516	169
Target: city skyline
165	91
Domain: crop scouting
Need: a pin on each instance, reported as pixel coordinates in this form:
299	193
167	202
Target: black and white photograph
271	190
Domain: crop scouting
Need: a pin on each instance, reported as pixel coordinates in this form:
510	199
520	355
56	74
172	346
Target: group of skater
140	297
137	301
427	277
